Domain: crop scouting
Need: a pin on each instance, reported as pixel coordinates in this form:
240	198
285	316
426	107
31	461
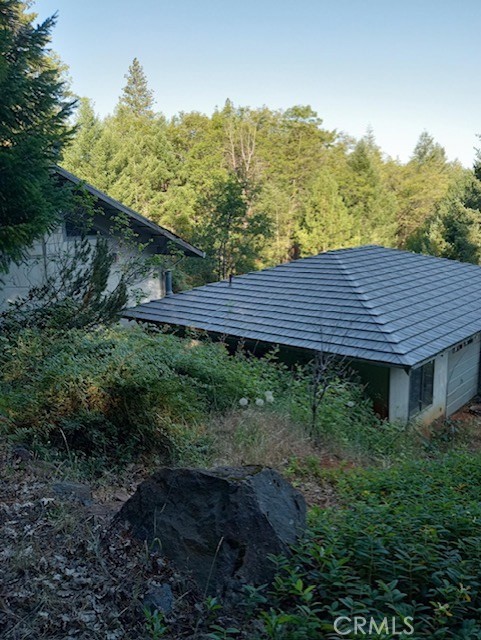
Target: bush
405	543
120	391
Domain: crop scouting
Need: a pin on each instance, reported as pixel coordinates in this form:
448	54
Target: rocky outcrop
221	524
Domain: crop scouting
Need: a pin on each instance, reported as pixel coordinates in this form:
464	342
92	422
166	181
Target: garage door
463	375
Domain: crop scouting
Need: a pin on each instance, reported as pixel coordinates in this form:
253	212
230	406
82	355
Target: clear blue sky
400	66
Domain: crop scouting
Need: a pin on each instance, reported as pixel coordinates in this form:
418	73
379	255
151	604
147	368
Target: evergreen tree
140	162
325	223
454	234
34	112
473	188
454	230
140	158
427	151
423	183
311	188
80	157
292	146
128	155
370	201
136	97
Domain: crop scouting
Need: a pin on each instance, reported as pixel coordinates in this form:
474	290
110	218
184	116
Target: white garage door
463	374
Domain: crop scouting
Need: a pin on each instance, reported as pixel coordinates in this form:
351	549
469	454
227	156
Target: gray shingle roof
372	303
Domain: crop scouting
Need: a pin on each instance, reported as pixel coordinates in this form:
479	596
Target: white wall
399	393
438	407
463	374
43	258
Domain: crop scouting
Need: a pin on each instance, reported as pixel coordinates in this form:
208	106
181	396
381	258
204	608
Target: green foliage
256	187
422	185
127	155
122	391
154	624
34	112
405	542
370	201
136	96
454	230
232	234
81	157
73	294
325	223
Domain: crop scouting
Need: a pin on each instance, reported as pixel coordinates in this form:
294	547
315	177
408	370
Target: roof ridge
369	307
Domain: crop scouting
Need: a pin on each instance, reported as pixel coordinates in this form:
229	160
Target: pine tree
325	223
139	160
454	229
428	151
424	182
34	112
454	233
370	201
80	157
136	97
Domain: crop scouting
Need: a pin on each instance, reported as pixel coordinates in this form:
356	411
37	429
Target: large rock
220	525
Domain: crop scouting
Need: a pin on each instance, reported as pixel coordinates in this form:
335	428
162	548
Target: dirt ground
69	571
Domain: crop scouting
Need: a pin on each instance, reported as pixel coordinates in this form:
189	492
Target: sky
398	66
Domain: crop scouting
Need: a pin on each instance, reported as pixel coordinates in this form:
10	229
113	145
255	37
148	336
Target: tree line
253	187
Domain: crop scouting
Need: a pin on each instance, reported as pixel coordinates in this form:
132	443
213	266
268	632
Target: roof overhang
138	222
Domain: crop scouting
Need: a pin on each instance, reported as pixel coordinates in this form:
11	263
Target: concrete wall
45	256
399	393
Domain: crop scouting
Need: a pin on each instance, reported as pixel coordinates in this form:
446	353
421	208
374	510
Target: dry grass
259	437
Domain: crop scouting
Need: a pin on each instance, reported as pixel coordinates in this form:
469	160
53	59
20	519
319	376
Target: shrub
122	389
406	543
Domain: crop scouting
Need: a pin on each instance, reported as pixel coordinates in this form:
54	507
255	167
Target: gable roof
139	223
371	303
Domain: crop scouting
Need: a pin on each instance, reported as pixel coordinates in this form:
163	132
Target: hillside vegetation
117	393
394	524
255	187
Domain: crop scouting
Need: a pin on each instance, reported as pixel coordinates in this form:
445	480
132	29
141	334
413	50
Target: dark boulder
220	524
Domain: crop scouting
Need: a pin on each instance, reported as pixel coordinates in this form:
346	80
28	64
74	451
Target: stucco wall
43	258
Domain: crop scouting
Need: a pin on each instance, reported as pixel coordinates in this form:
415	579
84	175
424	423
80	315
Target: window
78	228
421	388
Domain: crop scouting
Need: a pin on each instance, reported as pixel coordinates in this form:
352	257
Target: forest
255	187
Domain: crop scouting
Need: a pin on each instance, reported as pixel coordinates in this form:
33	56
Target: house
409	323
43	257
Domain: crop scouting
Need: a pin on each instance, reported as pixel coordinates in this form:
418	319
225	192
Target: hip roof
370	303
